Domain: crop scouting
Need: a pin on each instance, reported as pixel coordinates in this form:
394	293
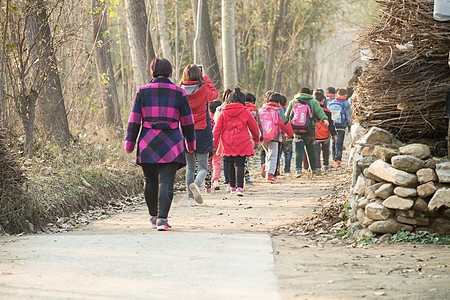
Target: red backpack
269	122
322	131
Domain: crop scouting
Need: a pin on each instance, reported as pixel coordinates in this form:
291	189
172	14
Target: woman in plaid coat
159	109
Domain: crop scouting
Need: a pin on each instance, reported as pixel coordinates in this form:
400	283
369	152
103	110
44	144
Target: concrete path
139	266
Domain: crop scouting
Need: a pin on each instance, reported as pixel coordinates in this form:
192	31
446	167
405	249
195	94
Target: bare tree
2	63
163	30
140	39
52	112
207	51
228	45
105	71
273	44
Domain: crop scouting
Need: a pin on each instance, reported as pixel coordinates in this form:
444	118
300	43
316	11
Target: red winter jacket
198	101
231	136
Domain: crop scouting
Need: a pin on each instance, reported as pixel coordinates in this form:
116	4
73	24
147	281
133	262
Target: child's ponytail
236	96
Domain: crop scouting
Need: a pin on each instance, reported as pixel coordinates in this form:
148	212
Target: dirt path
306	267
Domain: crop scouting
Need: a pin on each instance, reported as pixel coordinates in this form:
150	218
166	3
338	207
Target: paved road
219	250
152	265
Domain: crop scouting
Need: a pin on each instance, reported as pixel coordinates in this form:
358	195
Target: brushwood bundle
404	85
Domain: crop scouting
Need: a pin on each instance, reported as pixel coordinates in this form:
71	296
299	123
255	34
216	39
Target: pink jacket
231	132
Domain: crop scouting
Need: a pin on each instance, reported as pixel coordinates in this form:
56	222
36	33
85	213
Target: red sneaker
271	178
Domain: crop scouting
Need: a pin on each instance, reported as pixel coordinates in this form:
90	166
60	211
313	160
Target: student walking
286	145
225	164
215	159
341	113
200	91
232	138
302	112
161	107
250	104
323	133
274	122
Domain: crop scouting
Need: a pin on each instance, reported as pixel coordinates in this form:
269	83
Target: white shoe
191	202
216	185
196	192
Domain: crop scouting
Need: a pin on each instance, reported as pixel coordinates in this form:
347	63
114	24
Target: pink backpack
269	122
301	117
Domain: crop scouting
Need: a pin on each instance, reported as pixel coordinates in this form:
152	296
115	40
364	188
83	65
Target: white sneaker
196	192
191	202
216	185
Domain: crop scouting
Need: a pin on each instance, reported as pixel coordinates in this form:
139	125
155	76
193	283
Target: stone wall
397	187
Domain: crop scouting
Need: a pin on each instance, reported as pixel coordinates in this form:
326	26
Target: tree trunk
163	31
228	45
139	37
2	61
27	109
207	50
273	44
107	82
52	112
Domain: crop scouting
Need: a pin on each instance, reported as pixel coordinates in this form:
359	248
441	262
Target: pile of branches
14	201
11	174
404	85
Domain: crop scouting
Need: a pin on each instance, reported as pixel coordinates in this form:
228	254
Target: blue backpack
337	109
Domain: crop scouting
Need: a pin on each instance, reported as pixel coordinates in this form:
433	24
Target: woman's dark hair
319	96
275	97
331	90
236	96
249	97
342	92
160	67
305	90
283	100
318	90
225	95
214	105
193	73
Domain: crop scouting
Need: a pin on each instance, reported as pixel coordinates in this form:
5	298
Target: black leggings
159	178
236	170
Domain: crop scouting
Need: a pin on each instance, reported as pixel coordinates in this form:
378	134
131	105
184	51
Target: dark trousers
307	140
338	145
236	164
286	148
226	169
323	147
159	179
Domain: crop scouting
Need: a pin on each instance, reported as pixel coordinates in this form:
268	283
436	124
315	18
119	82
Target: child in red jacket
232	139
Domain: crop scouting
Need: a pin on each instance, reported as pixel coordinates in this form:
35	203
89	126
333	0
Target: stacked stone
398	187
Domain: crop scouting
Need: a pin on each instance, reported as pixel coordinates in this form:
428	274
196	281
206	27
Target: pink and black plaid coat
161	107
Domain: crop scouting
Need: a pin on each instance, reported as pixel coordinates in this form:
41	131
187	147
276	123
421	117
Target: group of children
311	124
170	127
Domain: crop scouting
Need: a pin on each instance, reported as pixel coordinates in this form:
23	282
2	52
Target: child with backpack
286	145
232	138
330	95
341	113
224	159
250	104
215	159
273	123
323	134
302	112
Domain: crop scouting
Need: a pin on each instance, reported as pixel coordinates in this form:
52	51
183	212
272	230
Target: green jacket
316	110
